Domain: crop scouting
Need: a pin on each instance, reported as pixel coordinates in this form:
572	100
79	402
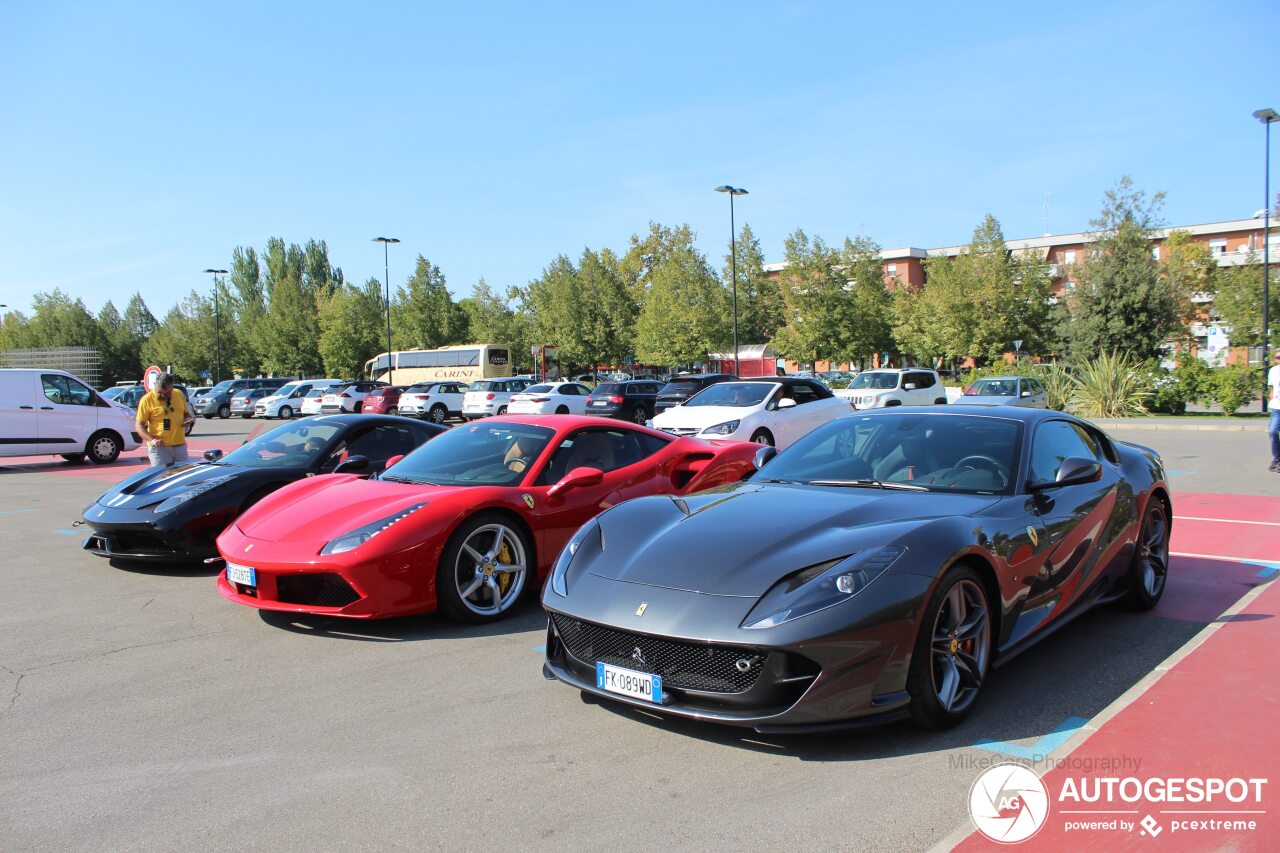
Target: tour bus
463	363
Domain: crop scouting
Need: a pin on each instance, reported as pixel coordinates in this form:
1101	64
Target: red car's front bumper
394	584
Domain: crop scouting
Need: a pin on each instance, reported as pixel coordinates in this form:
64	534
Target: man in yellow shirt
163	415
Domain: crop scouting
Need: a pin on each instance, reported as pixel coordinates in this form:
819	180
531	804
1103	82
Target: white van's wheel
104	447
286	412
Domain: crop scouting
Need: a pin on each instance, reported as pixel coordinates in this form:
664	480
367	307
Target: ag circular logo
1008	803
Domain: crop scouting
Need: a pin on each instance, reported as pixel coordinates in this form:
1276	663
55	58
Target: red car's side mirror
393	460
576	479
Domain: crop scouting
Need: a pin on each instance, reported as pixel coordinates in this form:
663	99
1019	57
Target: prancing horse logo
638	656
528	501
644	605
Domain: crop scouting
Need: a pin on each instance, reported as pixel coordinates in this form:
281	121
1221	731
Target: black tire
286	412
449	597
639	416
941	401
502	410
562	410
224	411
763	436
438	414
103	447
939	657
394	410
73	458
1149	572
207	417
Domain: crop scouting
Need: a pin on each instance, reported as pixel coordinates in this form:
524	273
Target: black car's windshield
292	445
941	453
875	381
478	454
737	394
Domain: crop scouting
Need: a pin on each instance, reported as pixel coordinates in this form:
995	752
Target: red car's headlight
353	539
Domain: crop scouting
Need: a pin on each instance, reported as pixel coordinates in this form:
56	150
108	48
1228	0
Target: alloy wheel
491	569
1155	550
961	646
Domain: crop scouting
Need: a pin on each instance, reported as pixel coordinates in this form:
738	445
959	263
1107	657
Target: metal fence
84	362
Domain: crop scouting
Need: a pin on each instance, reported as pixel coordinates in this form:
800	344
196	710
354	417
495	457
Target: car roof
1000	378
779	380
568	423
1015	413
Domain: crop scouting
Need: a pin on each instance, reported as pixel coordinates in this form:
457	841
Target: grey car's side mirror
763	455
212	455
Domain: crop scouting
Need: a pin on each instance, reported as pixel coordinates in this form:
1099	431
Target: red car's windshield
497	454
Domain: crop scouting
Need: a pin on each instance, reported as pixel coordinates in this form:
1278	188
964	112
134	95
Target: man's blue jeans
1274	429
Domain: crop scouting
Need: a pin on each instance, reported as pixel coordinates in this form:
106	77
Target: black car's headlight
193	492
820	586
726	428
559	584
353	539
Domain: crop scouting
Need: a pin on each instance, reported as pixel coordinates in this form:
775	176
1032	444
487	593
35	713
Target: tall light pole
1267	117
217	326
733	265
386	272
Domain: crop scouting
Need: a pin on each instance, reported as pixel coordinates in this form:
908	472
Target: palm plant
1109	386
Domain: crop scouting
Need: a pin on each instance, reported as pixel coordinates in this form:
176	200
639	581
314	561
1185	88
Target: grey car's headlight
353	539
558	583
820	586
193	492
726	428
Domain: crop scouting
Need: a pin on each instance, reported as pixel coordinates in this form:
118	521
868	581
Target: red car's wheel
483	570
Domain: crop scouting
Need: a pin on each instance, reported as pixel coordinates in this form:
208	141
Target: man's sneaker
1275	466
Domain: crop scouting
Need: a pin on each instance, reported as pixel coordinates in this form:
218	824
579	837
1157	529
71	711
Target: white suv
488	397
287	402
910	386
347	398
434	401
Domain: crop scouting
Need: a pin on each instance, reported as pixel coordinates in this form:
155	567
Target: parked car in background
312	401
383	401
487	397
286	401
348	398
775	411
218	400
245	402
681	388
910	386
550	398
433	401
198	392
632	400
1006	391
51	411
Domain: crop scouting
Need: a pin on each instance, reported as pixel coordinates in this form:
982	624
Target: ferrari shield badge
644	605
528	501
1035	536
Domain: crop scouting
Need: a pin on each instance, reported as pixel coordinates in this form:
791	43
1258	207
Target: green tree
423	312
1188	270
289	345
1120	304
685	313
351	327
184	341
760	305
1237	302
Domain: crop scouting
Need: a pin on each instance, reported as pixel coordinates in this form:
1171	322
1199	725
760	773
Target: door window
803	394
65	391
604	449
1054	442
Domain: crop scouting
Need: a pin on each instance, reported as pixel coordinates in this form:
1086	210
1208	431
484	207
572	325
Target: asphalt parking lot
141	710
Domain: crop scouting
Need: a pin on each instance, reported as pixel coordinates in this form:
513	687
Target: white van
287	402
51	411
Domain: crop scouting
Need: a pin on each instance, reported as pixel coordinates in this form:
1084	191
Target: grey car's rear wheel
1150	568
224	411
952	651
483	570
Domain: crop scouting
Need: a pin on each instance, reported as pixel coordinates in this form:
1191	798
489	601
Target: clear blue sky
139	143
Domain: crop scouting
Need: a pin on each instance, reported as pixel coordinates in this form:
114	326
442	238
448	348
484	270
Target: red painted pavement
128	464
1216	713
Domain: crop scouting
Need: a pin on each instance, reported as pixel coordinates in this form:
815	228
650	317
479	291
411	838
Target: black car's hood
742	540
158	484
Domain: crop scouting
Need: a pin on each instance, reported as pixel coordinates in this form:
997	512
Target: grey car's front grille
693	666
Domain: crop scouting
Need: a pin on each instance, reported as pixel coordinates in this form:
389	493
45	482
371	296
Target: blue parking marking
66	531
1178	472
1268	568
1041	747
542	650
17	511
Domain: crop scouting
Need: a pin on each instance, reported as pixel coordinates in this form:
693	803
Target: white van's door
19	432
67	415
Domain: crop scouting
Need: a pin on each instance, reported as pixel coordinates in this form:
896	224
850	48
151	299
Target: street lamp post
217	326
1267	117
733	265
386	272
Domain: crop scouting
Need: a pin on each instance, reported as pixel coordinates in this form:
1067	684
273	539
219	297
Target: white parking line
1221	557
1225	520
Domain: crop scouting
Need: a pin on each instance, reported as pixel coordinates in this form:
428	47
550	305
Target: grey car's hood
742	540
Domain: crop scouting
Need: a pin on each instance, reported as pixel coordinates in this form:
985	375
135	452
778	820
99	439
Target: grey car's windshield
733	394
993	388
291	445
477	454
875	381
941	453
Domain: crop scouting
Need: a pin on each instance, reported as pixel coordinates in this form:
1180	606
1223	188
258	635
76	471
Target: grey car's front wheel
1149	571
952	651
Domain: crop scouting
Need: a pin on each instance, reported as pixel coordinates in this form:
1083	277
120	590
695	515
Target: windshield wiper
777	480
410	480
870	484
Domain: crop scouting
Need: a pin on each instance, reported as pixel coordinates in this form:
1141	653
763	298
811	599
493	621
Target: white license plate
628	682
599	402
243	575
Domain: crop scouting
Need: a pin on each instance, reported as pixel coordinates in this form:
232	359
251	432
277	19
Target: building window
1069	257
1218	246
891	270
1155	252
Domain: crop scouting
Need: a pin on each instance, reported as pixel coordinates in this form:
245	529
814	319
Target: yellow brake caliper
504	556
